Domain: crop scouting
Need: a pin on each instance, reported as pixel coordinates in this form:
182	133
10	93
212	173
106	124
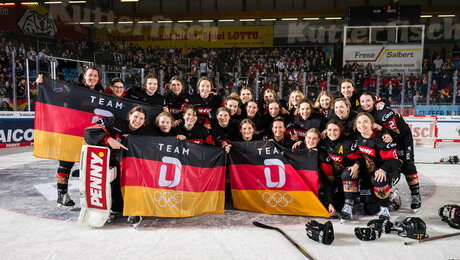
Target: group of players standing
362	145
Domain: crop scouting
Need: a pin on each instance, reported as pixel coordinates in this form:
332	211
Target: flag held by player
63	111
167	177
268	178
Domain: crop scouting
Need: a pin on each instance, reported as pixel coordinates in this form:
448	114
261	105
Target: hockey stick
258	224
431	238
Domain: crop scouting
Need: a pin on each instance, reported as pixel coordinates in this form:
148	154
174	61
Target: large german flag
268	178
167	177
63	111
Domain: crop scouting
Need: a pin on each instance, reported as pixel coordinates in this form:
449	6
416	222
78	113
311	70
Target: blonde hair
324	93
291	95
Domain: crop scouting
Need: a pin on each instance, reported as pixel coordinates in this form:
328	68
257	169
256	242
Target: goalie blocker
95	191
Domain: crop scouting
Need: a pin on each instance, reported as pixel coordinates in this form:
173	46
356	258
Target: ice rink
33	228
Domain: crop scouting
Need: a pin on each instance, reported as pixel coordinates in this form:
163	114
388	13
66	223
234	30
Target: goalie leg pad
95	191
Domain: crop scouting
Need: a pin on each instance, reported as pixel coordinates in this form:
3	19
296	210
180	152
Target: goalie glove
383	225
323	233
367	234
451	215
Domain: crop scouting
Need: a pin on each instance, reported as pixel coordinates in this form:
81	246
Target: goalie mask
323	233
412	227
451	215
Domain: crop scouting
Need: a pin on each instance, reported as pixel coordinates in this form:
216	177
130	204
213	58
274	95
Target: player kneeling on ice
381	164
109	132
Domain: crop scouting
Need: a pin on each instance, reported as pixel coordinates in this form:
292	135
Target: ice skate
416	202
65	202
395	200
384	213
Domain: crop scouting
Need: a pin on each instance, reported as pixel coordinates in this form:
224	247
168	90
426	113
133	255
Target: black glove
367	234
383	225
451	215
323	233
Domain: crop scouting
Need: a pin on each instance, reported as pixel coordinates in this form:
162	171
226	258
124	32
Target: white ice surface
29	237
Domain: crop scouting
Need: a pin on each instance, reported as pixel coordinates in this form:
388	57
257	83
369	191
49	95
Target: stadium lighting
105	22
7	4
86	23
165	21
426	16
185	21
77	2
205	21
311	18
144	21
53	2
29	3
247	20
333	18
226	20
125	22
446	15
268	19
288	19
129	0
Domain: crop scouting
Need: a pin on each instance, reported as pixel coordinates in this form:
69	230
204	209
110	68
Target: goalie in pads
100	190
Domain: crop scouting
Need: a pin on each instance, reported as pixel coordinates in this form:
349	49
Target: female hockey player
117	88
346	160
324	102
91	81
148	93
109	131
206	102
381	164
190	130
176	98
401	133
304	120
342	112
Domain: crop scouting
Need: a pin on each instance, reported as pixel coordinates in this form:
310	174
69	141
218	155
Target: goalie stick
258	224
431	238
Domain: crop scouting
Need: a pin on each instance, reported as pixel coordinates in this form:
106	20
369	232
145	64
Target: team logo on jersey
370	165
391	145
387	115
338	167
367	150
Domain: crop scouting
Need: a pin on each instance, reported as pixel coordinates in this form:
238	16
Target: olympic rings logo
276	199
168	198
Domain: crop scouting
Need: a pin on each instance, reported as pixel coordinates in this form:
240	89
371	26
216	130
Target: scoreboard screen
382	15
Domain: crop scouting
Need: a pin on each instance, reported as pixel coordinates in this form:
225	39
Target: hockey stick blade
258	224
431	239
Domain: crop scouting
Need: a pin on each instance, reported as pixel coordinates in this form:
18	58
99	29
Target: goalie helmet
412	227
451	215
323	233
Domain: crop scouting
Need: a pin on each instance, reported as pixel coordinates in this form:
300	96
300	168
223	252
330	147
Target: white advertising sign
391	58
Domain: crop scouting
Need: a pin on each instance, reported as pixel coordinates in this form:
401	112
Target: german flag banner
268	178
167	177
63	111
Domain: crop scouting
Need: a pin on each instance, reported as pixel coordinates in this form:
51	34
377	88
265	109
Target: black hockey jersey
298	126
207	107
392	121
198	134
137	94
174	103
343	153
347	122
223	134
377	154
